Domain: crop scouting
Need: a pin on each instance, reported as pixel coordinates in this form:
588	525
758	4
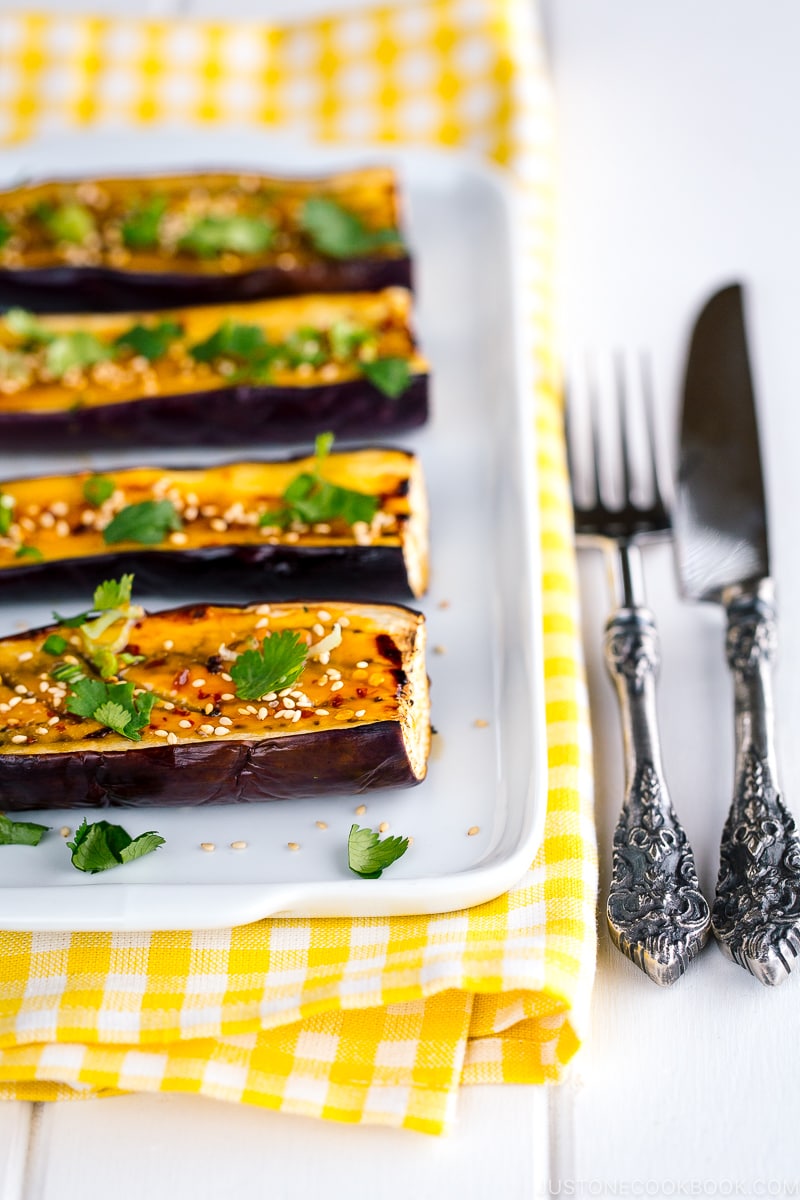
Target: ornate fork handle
656	913
756	915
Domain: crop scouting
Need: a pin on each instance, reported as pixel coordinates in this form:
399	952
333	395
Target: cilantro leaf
339	233
7	504
76	349
102	846
86	696
140	228
5	231
149	341
26	326
389	375
278	663
231	340
113	593
311	499
70	222
20	833
108	703
32	552
112	715
145	843
97	489
305	345
55	644
368	855
148	523
212	235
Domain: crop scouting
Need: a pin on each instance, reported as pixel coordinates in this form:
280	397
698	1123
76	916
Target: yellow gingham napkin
379	1019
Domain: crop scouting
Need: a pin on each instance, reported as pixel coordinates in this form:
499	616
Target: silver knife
720	523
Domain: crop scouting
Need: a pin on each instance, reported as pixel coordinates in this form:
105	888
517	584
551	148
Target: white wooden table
680	172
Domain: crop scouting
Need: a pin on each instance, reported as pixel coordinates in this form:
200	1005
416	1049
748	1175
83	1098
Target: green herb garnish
213	235
339	233
77	349
140	228
6	512
55	644
148	523
347	339
389	375
26	327
31	552
20	833
71	222
112	704
368	855
233	340
101	846
5	231
113	593
97	489
310	499
278	663
150	341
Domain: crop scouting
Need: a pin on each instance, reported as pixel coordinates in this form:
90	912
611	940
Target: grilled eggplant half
345	524
198	238
273	371
206	705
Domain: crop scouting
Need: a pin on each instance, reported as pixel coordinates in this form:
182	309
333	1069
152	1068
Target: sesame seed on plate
293	845
362	808
473	829
238	845
321	824
207	846
382	828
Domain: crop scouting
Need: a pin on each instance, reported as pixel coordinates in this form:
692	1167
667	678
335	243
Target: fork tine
622	418
594	421
648	398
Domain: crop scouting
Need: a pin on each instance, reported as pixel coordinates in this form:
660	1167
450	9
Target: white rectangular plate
483	609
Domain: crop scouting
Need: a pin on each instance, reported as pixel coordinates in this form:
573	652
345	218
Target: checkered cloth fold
379	1019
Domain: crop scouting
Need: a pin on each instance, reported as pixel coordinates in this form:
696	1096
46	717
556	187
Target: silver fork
656	913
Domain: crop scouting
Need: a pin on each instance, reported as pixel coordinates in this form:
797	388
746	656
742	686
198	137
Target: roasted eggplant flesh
354	510
356	716
273	371
211	224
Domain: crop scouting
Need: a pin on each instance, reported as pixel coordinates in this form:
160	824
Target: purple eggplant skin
304	765
242	573
66	289
239	414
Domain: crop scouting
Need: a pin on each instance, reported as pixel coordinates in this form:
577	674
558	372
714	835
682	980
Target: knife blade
722	555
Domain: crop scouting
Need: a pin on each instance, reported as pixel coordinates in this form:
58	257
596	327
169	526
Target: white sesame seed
20	689
337	686
168	644
325	657
362	665
206	729
228	678
65	831
221	730
262	623
172	738
19	738
225	721
323	614
198	683
362	808
321	712
207	846
25	656
161	733
361	712
321	824
227	696
59	509
178	538
383	827
184	724
168	705
293	845
263	713
473	829
238	845
288	702
62	528
318	629
47	520
43	730
14	701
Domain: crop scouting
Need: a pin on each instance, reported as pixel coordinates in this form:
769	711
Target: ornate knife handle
657	915
756	914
